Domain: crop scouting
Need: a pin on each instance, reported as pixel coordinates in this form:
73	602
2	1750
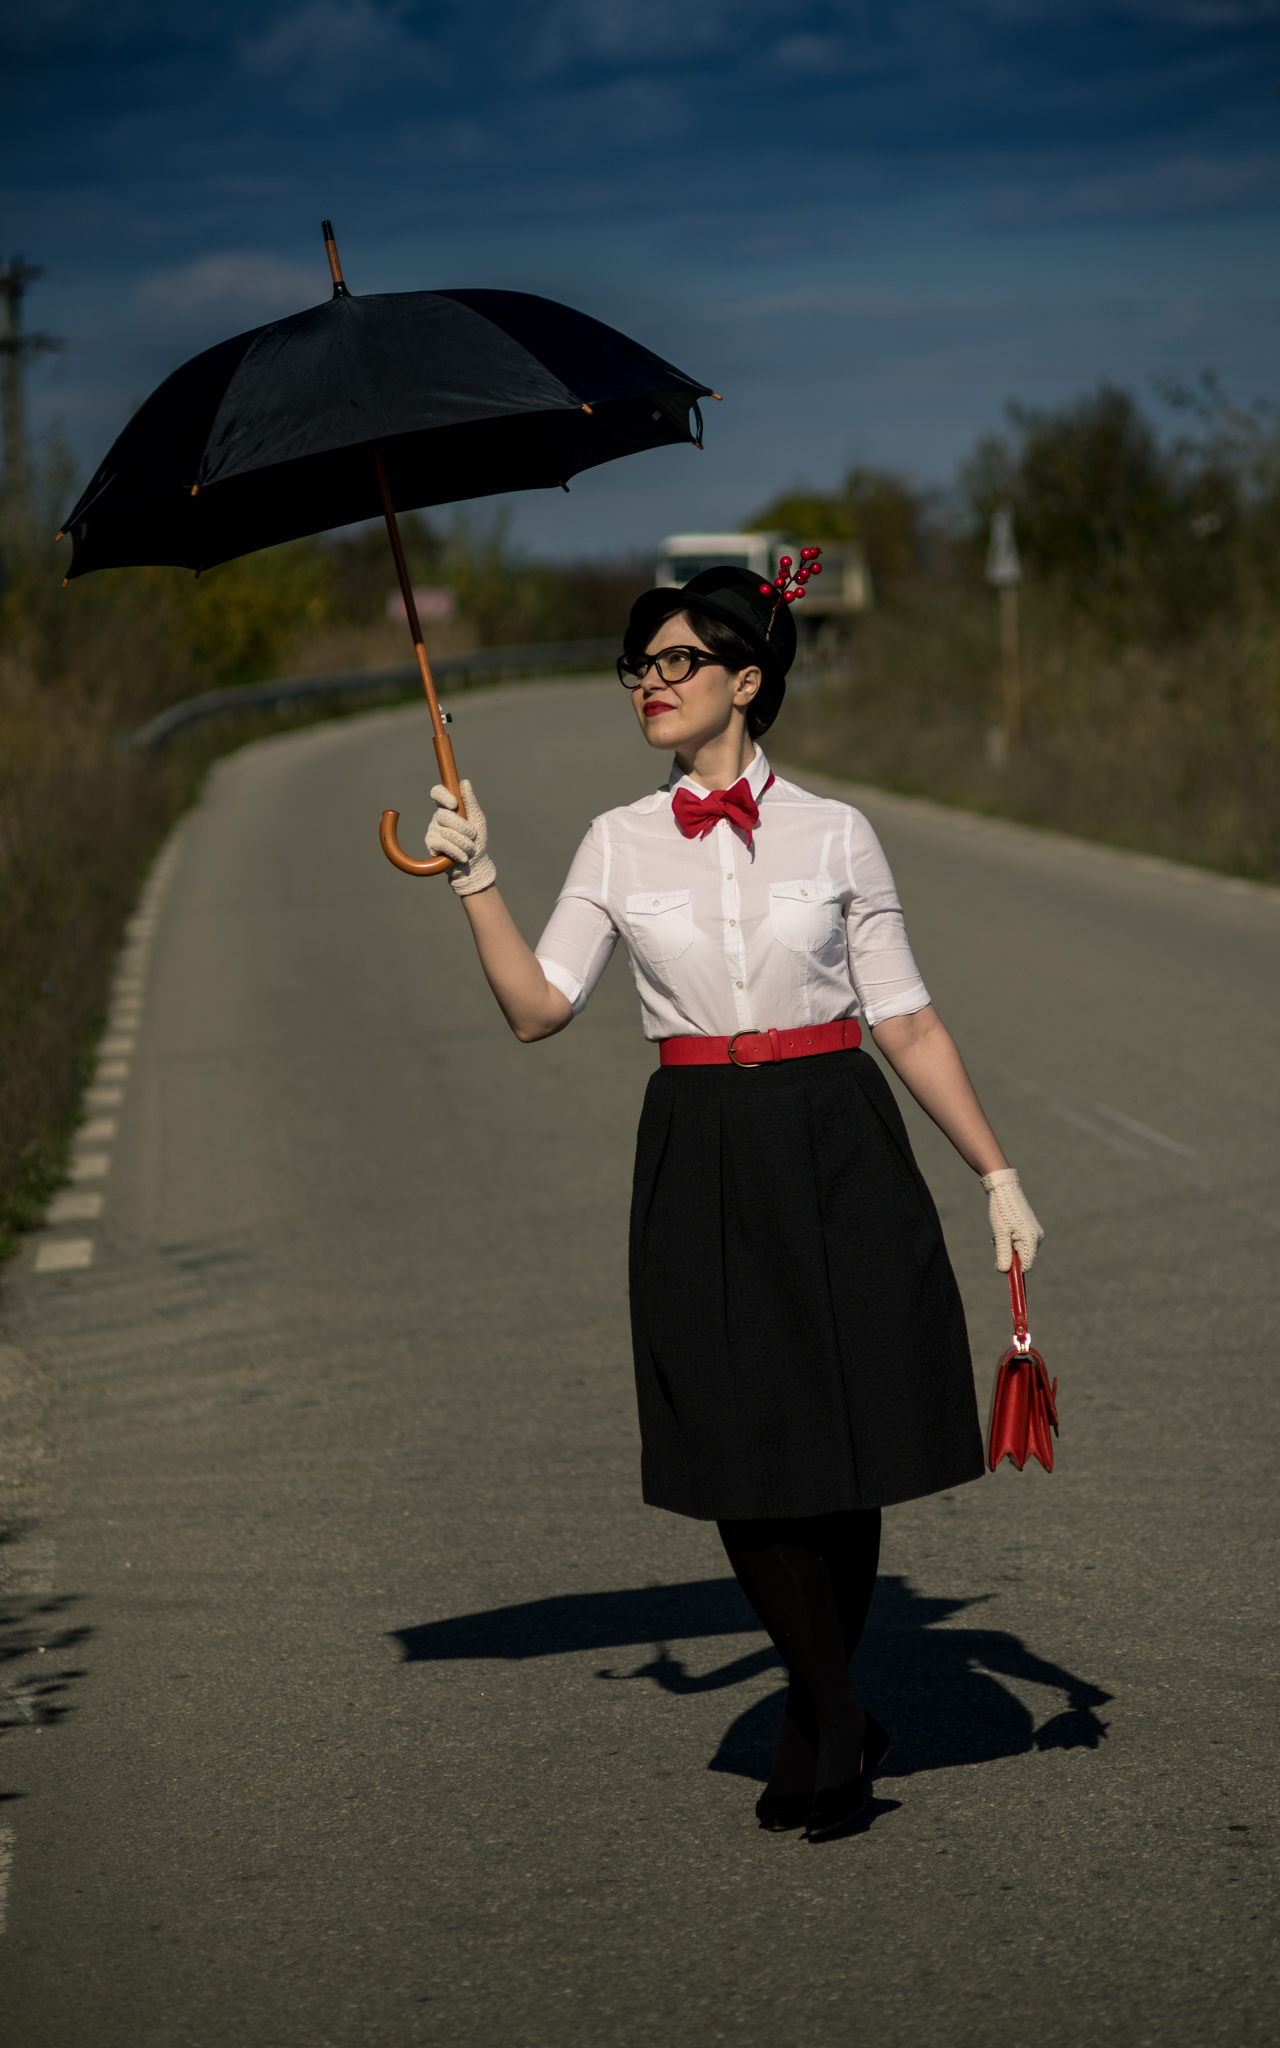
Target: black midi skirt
800	1344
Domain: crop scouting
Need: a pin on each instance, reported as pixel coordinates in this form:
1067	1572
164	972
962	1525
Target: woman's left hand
1012	1218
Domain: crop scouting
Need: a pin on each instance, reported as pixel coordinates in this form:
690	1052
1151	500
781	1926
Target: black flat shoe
778	1811
837	1806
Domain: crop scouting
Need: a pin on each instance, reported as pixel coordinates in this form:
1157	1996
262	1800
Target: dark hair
723	641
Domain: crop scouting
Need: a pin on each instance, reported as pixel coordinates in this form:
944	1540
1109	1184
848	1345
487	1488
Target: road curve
352	1694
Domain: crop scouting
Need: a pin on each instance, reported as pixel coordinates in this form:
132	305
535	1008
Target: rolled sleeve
882	966
578	942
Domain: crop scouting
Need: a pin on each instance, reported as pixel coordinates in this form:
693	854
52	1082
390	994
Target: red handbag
1024	1406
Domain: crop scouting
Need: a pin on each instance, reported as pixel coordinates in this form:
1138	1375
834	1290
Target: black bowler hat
735	598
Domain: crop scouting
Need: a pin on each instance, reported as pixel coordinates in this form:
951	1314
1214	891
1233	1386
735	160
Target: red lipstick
654	710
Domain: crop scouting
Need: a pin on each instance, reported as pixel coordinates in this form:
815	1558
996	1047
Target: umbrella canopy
268	436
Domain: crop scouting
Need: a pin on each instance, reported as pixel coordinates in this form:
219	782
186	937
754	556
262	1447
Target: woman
800	1348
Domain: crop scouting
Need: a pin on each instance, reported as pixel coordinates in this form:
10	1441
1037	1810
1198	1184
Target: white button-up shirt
804	927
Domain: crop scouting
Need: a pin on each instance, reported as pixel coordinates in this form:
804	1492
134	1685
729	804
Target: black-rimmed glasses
674	665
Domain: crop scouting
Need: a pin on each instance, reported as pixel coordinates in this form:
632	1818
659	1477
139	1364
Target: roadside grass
1166	746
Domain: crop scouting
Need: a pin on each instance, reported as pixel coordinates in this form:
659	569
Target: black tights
810	1581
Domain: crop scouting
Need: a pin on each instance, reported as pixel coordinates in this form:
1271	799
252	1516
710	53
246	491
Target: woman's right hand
465	840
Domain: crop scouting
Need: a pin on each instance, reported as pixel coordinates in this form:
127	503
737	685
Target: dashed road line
64	1254
71	1206
90	1166
77	1204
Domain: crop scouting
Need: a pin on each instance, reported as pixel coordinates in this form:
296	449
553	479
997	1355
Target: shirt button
729	876
655	902
732	922
737	984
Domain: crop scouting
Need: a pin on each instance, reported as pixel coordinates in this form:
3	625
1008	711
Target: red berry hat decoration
788	585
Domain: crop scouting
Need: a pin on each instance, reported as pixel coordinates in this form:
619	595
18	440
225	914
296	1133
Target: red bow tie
696	816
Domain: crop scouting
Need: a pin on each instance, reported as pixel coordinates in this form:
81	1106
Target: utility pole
1004	573
17	348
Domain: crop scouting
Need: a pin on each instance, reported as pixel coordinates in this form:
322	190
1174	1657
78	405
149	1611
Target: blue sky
868	225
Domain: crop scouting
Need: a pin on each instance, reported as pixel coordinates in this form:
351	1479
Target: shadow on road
937	1687
35	1686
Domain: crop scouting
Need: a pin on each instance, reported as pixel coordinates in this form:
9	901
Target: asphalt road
353	1695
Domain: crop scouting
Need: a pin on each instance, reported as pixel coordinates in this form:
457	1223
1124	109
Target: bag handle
1018	1303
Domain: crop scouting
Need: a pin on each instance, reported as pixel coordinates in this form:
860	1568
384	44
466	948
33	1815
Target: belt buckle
733	1057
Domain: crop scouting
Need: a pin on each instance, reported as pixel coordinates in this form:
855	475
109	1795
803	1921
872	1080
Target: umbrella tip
588	408
65	581
717	397
61	534
195	490
335	267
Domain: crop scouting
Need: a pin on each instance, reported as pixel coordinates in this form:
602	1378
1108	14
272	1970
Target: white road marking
71	1254
1130	1123
6	1870
70	1207
64	1254
1082	1123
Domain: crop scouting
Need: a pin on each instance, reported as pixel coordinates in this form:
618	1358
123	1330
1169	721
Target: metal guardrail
356	682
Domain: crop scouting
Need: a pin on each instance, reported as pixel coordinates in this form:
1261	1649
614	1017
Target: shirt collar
755	778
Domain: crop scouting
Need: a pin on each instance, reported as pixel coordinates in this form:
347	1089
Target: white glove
1012	1219
464	840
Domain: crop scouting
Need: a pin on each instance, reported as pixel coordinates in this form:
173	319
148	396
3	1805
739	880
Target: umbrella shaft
444	749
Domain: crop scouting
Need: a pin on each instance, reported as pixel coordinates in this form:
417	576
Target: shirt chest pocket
661	926
805	915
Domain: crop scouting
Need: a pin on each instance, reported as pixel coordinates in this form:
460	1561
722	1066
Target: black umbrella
367	405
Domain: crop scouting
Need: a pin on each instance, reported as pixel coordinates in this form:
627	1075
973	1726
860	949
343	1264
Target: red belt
762	1048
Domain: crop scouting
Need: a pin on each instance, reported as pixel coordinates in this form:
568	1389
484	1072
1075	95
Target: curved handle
1017	1294
391	847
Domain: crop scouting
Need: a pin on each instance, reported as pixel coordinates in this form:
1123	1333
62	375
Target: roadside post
1004	574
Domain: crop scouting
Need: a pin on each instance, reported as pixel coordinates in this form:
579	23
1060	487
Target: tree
872	506
1140	530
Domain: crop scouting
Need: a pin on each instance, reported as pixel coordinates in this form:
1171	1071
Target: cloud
244	286
332	50
1181	188
572	33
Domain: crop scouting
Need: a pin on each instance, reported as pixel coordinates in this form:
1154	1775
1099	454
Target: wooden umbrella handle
399	859
443	745
390	819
